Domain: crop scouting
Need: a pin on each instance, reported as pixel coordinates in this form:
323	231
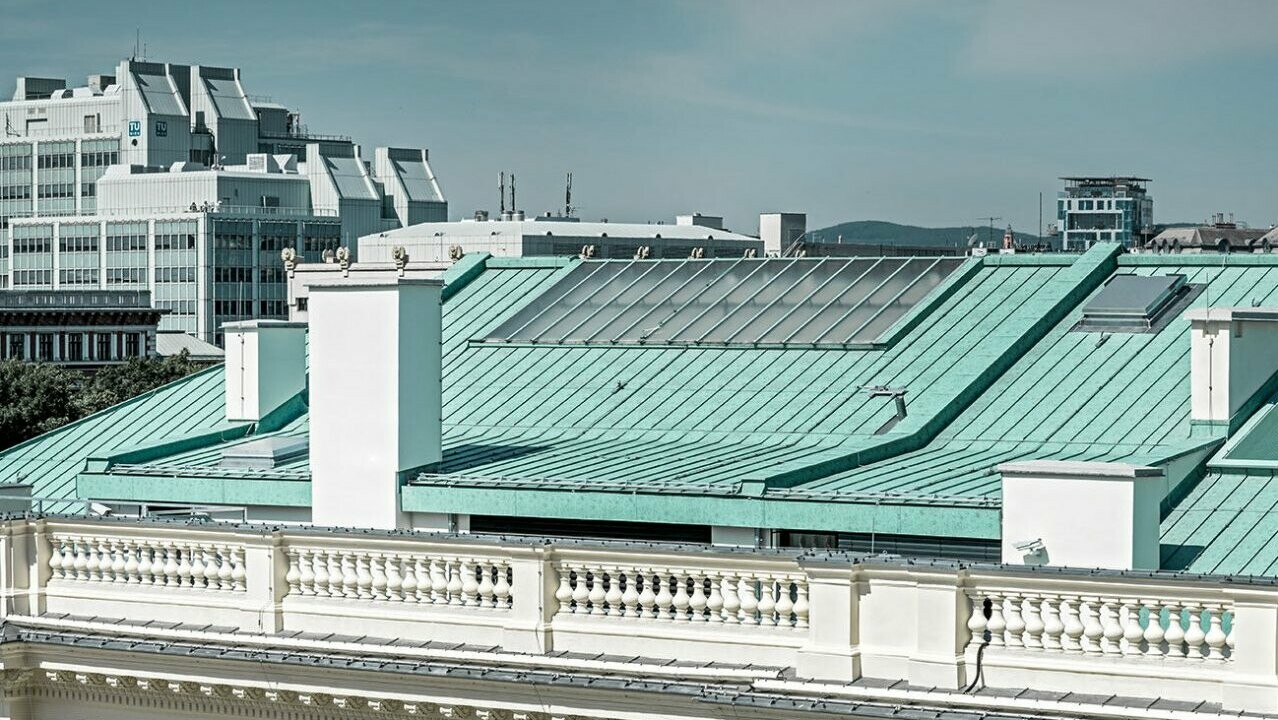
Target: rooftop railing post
265	568
941	629
39	568
533	603
832	651
1254	668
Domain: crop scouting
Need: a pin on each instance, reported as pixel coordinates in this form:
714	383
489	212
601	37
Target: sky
929	113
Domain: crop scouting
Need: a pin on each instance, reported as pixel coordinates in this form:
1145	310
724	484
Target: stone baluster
299	564
294	575
225	569
1229	636
1012	615
698	601
747	591
350	578
1153	634
501	588
450	591
238	572
665	600
424	582
785	602
408	581
564	593
172	577
1112	630
1053	626
1031	614
1133	633
143	569
184	566
801	605
321	573
714	603
211	565
1215	637
486	585
580	590
132	550
731	600
92	564
630	596
613	597
1175	634
595	592
1072	621
470	586
377	572
997	623
118	551
363	578
647	597
767	601
1093	628
81	562
681	601
197	565
394	583
1194	635
976	621
55	558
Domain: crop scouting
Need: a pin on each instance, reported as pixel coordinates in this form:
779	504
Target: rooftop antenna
568	197
501	192
512	192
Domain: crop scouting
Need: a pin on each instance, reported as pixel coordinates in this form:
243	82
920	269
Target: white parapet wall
265	366
829	618
1233	353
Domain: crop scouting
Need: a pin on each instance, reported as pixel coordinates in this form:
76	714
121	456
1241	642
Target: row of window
78	244
19	346
55	160
33	277
15	162
233	307
15	192
233	274
99	159
174	274
31	245
78	276
55	190
177	307
126	276
126	243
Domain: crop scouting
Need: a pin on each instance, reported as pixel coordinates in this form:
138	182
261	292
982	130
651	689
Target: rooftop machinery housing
171	178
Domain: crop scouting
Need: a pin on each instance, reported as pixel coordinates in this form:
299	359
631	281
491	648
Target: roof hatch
1136	303
264	453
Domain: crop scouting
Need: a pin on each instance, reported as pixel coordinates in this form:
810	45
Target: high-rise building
1104	209
171	178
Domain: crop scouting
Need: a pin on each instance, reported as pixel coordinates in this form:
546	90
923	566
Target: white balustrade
684	595
399	577
126	561
1099	626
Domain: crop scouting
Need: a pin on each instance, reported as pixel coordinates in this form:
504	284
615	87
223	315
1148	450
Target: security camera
1029	546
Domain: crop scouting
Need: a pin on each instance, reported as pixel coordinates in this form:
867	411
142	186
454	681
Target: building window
17	347
104	346
75	347
132	345
92	123
45	344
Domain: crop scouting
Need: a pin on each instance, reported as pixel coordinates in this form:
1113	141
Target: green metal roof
52	461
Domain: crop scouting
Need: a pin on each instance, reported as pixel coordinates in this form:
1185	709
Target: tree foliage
38	397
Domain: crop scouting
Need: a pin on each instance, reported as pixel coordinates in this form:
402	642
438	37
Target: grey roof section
229	99
1210	237
417	181
348	175
173	342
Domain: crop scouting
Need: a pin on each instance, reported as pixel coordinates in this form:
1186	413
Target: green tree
117	383
36	398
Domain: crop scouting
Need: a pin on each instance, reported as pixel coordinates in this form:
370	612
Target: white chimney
374	395
1233	354
1081	514
265	366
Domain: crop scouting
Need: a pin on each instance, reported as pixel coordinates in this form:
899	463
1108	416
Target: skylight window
1136	303
748	302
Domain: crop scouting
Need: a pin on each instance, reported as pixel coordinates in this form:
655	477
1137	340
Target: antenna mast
501	192
512	193
990	236
568	197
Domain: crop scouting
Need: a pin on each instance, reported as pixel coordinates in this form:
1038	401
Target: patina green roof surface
53	460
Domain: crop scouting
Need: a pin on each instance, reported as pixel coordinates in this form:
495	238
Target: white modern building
172	178
515	235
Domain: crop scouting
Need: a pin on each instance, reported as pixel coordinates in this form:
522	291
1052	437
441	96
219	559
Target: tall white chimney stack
1233	353
374	395
265	366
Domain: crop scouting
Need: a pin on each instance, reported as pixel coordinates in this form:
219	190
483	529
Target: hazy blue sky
922	112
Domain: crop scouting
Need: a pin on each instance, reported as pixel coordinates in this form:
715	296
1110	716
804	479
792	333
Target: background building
780	231
1104	209
77	328
518	236
1220	235
171	178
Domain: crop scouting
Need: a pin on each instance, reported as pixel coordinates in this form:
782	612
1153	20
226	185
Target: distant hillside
878	232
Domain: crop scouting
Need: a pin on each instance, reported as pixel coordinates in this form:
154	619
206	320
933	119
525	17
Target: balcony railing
825	617
144	212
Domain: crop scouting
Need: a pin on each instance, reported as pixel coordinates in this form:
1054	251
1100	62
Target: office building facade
1104	209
